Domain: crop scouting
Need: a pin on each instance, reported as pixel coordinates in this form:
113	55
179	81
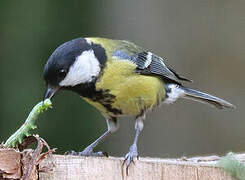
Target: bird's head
72	64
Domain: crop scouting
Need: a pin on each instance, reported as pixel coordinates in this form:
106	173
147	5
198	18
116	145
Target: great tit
119	78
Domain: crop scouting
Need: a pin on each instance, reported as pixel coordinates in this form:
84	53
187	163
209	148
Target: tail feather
205	98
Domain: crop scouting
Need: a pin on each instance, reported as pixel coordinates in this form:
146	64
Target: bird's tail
205	98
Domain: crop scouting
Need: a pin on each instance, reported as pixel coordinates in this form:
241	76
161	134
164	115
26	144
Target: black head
73	63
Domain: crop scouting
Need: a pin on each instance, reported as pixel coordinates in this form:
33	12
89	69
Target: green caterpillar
24	131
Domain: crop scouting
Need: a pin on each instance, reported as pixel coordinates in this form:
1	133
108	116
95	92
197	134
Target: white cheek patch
175	93
88	41
85	67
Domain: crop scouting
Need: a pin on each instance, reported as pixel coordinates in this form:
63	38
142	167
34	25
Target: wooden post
59	167
94	168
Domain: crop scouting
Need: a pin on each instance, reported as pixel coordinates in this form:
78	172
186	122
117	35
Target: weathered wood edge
91	168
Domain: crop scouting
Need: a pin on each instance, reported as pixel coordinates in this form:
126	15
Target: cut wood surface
95	168
59	167
10	163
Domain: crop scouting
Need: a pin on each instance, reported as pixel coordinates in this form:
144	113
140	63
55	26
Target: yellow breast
133	93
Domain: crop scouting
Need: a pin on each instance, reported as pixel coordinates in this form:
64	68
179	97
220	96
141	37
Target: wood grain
10	163
59	167
94	168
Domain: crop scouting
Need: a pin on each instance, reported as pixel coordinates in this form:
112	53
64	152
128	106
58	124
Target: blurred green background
202	39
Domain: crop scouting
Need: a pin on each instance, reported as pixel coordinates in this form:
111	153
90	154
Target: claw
91	153
73	153
129	158
105	154
127	170
87	152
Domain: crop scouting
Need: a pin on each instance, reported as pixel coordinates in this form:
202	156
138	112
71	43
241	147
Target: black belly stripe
103	97
109	108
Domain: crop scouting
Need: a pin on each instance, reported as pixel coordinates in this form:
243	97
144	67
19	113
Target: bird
119	78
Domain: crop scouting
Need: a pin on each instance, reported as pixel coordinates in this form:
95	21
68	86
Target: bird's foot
129	158
88	152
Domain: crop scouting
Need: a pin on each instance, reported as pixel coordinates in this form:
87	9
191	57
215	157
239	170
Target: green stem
29	124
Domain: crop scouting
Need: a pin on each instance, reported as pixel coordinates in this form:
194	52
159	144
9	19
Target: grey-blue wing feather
147	62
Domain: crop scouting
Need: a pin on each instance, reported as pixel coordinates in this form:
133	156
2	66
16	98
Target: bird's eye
62	73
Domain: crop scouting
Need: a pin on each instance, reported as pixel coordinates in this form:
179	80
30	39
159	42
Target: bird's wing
147	62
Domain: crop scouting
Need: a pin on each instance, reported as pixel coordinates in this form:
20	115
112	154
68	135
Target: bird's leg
112	126
133	152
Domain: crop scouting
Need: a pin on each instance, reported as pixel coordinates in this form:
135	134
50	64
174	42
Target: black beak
49	93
